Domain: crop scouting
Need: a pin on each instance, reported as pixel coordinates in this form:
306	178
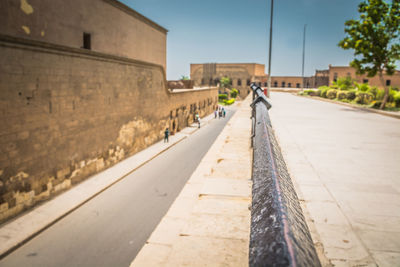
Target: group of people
220	112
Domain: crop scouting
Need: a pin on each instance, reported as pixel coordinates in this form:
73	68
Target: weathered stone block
3	207
61	174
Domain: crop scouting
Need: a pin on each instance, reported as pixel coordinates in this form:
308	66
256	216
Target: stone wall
180	84
113	27
69	113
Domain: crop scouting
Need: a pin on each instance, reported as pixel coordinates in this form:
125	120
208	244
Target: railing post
279	234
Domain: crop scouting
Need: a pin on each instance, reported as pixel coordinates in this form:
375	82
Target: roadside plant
222	97
392	93
375	92
234	92
324	89
229	102
374	37
397	99
331	94
351	94
362	86
375	104
345	83
341	95
363	98
334	85
312	92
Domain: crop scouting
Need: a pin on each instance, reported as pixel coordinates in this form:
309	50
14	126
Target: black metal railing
279	234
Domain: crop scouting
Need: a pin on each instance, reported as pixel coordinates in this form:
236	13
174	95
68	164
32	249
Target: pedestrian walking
215	114
166	135
197	116
219	113
223	112
198	121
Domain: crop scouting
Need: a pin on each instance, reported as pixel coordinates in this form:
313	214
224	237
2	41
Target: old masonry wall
68	113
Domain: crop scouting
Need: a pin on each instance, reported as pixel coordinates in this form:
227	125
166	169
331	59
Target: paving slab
207	251
344	163
209	221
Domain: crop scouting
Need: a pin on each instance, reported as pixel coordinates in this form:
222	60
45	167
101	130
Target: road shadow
355	110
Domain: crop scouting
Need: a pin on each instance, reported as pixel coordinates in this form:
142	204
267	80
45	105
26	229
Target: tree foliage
226	82
184	78
344	83
375	39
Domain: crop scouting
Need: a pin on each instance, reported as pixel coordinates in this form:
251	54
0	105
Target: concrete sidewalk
26	226
209	222
345	164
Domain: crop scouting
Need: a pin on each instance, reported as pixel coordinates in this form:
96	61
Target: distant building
241	74
336	72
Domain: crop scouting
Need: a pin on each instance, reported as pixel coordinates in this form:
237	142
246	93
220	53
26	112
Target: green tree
225	82
184	78
375	39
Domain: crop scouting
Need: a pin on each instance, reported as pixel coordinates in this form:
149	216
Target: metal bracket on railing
259	96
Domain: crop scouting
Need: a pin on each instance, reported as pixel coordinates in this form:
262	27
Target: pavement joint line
15	244
195	191
223	196
380	112
338	238
208	236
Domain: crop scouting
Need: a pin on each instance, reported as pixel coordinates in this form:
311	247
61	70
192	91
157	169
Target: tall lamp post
270	49
304	45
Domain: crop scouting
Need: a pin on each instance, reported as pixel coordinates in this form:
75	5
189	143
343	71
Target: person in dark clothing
166	135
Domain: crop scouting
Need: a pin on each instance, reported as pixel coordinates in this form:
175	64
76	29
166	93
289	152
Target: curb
175	226
18	223
384	113
6	251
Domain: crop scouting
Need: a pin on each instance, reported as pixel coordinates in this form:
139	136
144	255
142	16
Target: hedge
229	102
222	97
331	94
234	93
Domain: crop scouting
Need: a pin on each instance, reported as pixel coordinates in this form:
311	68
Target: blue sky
236	31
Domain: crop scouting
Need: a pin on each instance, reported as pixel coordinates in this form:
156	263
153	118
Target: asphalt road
110	229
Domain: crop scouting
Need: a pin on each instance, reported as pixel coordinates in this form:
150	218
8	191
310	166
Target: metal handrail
279	234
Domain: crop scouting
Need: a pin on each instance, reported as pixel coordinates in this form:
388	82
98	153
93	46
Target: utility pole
270	49
304	45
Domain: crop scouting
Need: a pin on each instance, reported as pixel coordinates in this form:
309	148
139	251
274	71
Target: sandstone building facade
336	72
82	86
243	74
